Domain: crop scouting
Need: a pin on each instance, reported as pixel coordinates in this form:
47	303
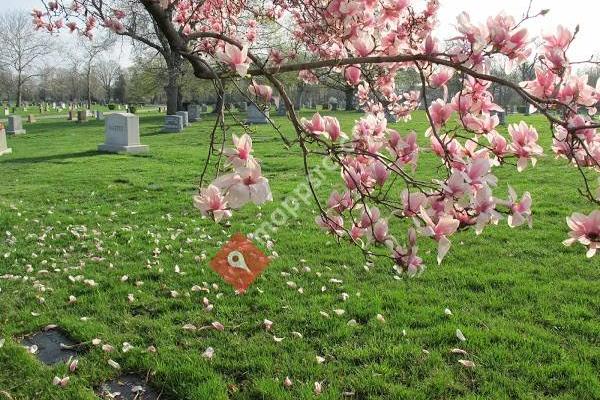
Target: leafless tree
107	71
92	49
21	49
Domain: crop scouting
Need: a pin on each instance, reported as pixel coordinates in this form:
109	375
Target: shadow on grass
55	157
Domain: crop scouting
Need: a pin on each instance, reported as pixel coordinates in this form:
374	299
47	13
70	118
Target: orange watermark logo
239	262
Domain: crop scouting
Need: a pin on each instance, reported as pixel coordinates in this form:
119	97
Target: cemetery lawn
528	307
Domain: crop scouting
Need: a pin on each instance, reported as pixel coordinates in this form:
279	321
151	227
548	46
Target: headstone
501	118
255	116
30	119
122	134
390	117
3	146
173	123
81	117
15	125
243	107
204	108
6	112
281	110
184	116
88	113
71	115
99	115
193	112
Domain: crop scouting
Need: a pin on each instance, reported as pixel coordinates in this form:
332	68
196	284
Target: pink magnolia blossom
405	149
406	258
379	172
236	58
240	155
441	77
543	86
334	224
263	92
340	202
440	113
332	127
412	202
352	75
363	44
485	207
445	226
244	186
524	144
585	229
211	203
316	125
520	210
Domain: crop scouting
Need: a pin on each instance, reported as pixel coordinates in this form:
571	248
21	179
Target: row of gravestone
15	127
122	131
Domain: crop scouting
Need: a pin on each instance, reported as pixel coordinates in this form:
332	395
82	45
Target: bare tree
107	72
21	48
92	49
144	31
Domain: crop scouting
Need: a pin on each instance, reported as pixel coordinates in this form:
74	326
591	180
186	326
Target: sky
569	13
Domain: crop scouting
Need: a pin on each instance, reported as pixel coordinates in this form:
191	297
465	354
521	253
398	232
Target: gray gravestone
3	146
30	119
390	117
71	115
173	123
255	116
122	134
204	108
194	112
243	107
281	110
184	117
99	115
81	117
15	125
501	118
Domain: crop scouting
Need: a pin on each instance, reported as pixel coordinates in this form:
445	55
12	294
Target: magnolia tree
370	43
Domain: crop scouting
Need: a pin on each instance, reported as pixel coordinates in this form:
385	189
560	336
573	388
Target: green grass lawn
528	306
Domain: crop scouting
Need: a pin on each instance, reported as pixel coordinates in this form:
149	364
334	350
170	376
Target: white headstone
184	116
3	146
122	134
173	123
256	116
15	125
6	112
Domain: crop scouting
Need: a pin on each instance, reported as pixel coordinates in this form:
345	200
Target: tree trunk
19	91
179	99
349	92
89	87
172	87
299	94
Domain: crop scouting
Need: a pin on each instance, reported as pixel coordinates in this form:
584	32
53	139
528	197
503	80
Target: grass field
528	306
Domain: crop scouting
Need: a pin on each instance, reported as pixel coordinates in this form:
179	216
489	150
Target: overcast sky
569	13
